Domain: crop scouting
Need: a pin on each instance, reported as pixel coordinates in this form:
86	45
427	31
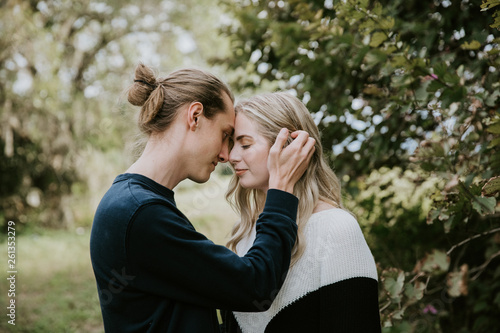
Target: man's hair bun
144	84
146	92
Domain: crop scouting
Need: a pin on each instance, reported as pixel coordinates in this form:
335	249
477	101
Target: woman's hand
287	165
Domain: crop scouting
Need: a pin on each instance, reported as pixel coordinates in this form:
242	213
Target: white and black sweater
332	288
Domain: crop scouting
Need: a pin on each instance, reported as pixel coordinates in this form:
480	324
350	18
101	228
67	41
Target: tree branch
481	268
472	238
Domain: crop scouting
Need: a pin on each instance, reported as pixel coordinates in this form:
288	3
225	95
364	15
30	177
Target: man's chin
200	179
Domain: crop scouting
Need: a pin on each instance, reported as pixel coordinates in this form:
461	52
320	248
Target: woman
154	271
332	283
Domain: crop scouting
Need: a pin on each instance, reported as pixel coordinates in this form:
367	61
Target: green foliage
406	95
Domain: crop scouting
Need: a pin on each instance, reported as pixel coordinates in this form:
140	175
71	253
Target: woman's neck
322	206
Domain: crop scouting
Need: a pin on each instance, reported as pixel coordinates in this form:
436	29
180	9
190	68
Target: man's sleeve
169	258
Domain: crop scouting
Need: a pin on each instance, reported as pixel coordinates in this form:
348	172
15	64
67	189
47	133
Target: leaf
372	89
436	262
495	128
491	100
374	57
393	280
480	306
448	224
387	23
433	214
398	61
495	142
452	78
415	292
492	187
440	69
434	86
484	205
473	45
457	282
488	4
496	24
377	39
398	314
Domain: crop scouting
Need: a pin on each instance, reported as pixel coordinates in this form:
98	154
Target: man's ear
194	113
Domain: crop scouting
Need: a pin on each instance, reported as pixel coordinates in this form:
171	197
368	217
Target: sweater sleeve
167	257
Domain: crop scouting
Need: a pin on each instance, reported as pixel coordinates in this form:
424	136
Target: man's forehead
226	120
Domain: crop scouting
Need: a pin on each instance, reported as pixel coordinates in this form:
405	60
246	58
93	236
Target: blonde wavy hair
271	112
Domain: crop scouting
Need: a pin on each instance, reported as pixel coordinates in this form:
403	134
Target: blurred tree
62	64
406	94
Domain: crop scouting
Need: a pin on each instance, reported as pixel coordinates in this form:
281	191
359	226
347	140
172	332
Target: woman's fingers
286	165
310	146
299	138
280	141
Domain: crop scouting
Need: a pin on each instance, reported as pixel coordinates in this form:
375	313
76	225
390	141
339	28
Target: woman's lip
239	172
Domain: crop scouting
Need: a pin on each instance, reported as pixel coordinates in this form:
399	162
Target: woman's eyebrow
243	136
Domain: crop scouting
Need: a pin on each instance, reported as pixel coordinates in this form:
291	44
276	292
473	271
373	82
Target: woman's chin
252	186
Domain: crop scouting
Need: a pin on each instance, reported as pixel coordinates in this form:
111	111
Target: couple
155	273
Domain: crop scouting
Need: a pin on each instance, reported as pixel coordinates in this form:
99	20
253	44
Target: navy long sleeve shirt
156	273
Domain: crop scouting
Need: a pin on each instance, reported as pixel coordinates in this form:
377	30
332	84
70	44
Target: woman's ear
194	114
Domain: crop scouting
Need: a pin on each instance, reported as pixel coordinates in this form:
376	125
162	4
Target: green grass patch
55	286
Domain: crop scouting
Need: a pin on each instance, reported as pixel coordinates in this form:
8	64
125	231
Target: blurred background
406	95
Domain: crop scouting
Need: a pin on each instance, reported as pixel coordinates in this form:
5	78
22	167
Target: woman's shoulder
334	223
335	241
334	216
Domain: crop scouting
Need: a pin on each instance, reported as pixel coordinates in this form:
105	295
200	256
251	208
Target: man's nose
224	154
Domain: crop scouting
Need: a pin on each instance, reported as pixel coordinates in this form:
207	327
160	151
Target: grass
55	286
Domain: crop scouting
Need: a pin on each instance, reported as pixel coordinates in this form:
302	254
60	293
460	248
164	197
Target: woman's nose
234	156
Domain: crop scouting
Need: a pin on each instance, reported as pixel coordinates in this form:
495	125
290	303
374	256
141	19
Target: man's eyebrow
230	130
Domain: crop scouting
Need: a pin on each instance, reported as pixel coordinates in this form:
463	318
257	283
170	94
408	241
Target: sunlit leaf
377	39
457	282
436	262
488	4
474	45
495	128
387	23
492	187
495	142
